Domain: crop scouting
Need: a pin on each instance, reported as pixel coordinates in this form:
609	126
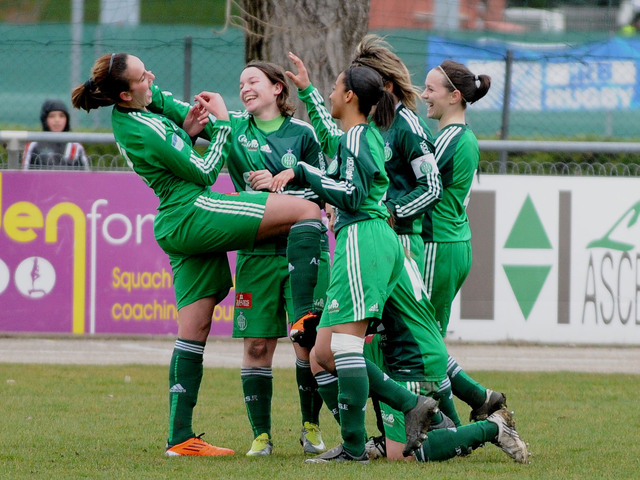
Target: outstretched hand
301	79
213	103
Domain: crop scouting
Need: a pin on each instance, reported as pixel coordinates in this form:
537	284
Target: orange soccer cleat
197	446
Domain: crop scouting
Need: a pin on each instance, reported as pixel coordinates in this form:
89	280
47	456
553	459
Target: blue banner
551	77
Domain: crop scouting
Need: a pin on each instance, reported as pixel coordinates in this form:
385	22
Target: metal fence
515	157
568	86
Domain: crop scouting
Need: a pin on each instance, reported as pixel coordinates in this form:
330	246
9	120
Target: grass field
92	422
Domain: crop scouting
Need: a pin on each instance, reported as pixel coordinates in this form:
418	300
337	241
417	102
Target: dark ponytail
458	77
105	85
367	84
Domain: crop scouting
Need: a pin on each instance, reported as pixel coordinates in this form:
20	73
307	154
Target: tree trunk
323	33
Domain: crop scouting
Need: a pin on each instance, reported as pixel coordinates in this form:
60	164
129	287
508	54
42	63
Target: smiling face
436	94
259	94
140	81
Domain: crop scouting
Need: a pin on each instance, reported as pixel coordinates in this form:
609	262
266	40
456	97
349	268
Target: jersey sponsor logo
334	306
350	168
388	153
314	261
424	146
241	322
388	419
177	142
265	149
318	303
251	145
289	160
243	300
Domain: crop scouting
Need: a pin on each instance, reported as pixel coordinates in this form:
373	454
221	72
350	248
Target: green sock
388	391
303	253
353	385
328	390
185	375
445	401
443	444
257	387
464	387
310	399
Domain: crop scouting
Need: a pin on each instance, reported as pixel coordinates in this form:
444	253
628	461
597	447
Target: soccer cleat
196	446
303	331
311	438
508	439
376	447
261	446
494	401
337	454
416	423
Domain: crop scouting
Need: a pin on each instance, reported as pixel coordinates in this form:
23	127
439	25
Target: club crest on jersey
333	167
241	321
243	300
426	168
387	152
289	160
251	145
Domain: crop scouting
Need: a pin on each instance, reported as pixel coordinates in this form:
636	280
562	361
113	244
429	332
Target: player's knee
257	348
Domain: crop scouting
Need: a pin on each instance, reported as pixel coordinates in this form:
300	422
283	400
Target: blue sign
592	76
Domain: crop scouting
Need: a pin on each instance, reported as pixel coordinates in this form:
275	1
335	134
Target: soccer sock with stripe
185	375
445	401
310	399
443	444
388	391
353	391
257	387
328	390
303	254
463	386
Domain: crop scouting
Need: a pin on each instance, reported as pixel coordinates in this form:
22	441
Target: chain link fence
575	84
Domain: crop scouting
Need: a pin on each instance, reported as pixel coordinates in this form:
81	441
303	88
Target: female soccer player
368	260
446	233
194	225
267	140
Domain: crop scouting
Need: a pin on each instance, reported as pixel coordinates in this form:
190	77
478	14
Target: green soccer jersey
162	154
355	189
253	149
414	178
355	181
458	155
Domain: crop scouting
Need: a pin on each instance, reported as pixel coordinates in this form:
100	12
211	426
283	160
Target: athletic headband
451	83
111	64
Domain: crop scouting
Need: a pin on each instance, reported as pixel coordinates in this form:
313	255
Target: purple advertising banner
78	255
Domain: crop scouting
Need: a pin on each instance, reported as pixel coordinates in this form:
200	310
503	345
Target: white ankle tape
342	343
